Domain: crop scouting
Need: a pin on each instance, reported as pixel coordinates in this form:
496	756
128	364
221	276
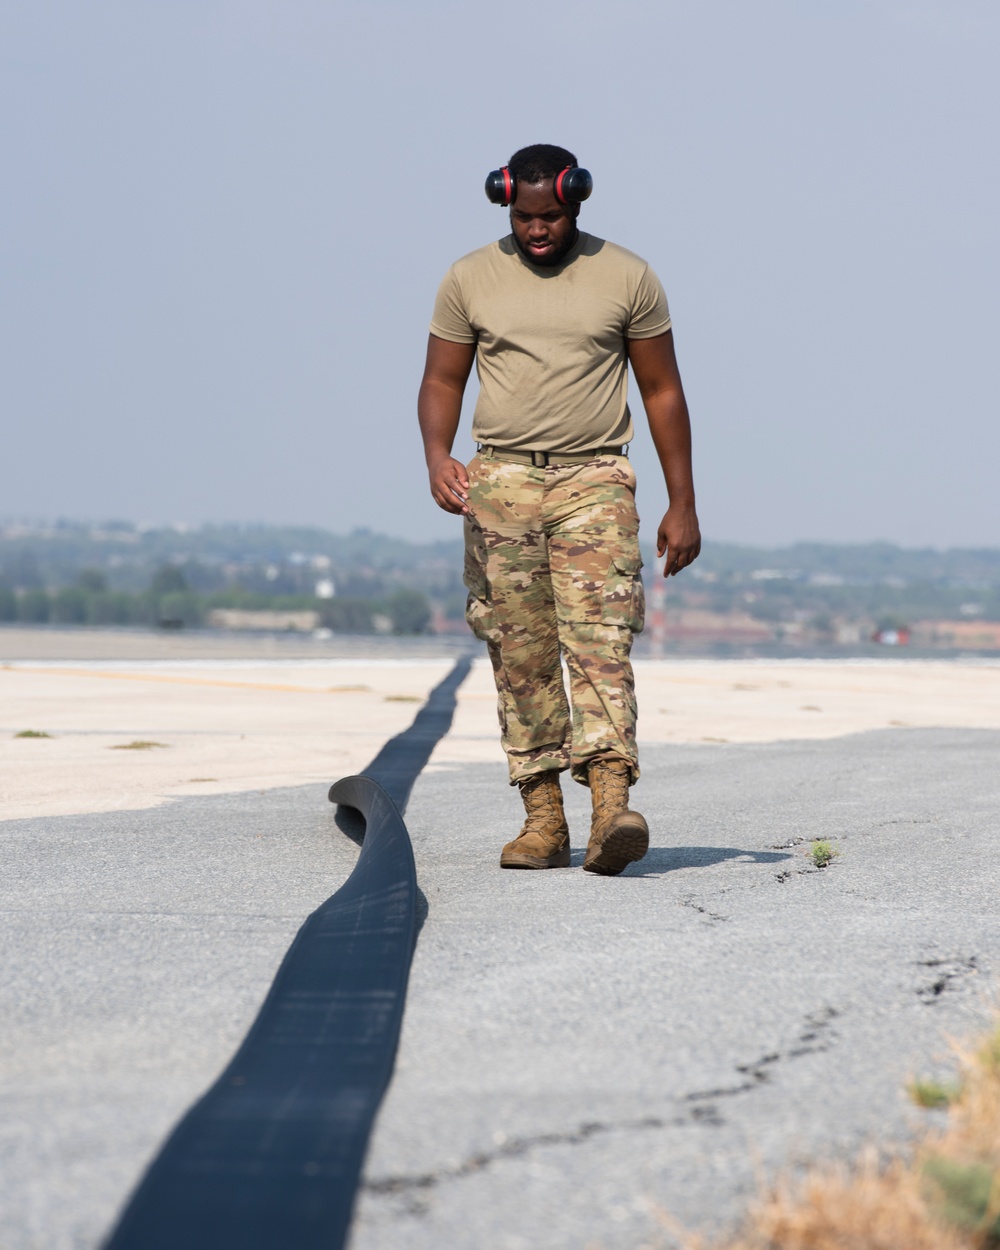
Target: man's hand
679	538
450	485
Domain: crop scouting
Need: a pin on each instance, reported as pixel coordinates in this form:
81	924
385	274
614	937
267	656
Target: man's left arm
658	378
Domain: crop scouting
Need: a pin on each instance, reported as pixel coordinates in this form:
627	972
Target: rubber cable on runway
402	759
270	1157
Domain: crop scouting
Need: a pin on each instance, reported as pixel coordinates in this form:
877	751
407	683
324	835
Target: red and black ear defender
500	186
571	186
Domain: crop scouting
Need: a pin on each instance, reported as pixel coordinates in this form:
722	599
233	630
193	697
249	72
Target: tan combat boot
544	838
617	836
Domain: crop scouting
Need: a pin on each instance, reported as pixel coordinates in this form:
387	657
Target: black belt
545	459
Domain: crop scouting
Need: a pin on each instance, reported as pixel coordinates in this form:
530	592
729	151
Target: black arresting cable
270	1157
402	759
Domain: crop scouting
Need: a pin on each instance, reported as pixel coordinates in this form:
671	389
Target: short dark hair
539	162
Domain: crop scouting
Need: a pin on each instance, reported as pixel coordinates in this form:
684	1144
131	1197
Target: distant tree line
119	574
169	602
777	598
272	560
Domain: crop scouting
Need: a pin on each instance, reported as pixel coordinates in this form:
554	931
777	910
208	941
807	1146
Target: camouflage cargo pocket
624	599
479	611
482	619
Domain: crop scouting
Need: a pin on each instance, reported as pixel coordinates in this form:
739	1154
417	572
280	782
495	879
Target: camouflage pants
552	567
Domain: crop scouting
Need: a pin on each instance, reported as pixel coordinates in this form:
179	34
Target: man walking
553	317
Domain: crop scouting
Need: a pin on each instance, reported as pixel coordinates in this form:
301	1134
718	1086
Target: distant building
243	618
968	635
688	625
892	637
847	633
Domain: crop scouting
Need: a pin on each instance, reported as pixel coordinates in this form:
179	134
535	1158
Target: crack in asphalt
786	874
816	1035
509	1149
946	972
688	900
806	870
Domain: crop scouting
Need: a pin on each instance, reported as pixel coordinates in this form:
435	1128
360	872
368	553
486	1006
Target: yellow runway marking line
187	681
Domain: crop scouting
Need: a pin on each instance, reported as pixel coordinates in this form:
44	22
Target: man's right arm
439	407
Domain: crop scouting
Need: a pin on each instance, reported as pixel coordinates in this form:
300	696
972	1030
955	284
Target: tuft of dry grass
933	1094
137	745
865	1208
944	1195
32	733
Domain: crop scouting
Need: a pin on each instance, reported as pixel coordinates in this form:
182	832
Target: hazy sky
224	222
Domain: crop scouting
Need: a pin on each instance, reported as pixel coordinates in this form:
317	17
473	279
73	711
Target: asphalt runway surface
578	1052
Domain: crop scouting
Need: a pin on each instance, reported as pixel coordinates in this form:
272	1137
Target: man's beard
546	262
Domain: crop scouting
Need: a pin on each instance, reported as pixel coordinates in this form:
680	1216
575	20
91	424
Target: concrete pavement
137	735
135	950
578	1052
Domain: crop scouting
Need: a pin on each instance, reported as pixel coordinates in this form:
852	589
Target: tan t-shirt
550	343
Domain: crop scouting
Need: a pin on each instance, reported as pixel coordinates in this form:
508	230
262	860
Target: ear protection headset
571	186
